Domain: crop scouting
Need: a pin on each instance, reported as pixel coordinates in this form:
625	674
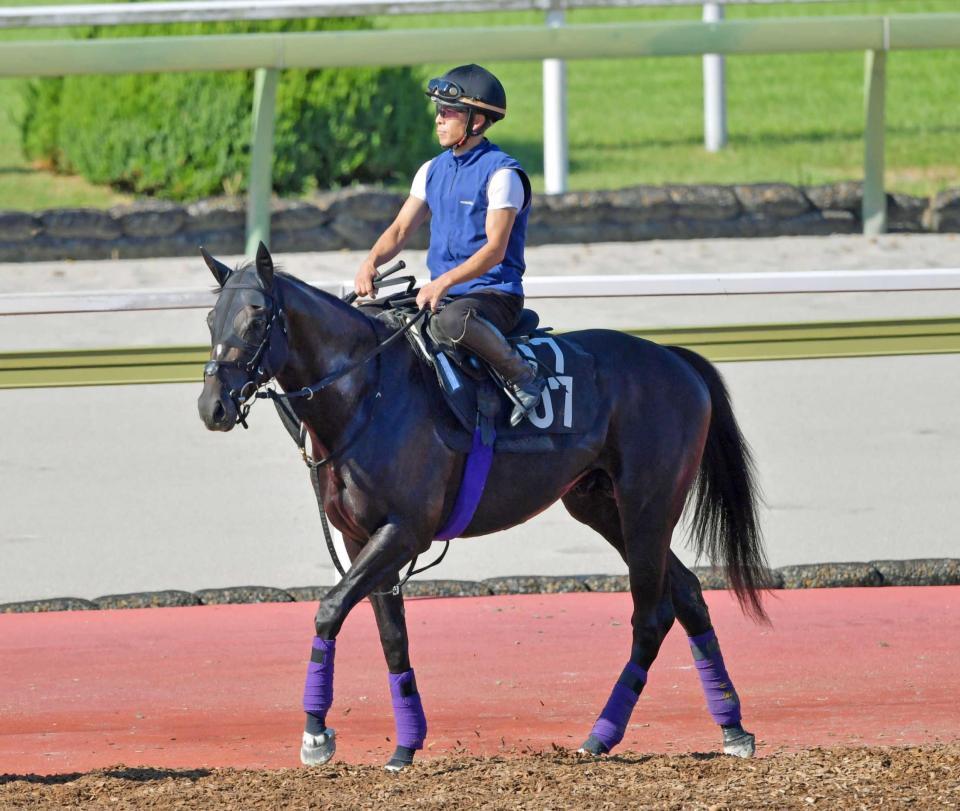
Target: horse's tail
724	523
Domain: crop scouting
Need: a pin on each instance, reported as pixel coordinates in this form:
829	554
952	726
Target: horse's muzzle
218	412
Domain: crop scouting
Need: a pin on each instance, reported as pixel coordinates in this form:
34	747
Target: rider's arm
498	225
412	214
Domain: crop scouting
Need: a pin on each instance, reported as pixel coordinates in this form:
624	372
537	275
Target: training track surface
220	685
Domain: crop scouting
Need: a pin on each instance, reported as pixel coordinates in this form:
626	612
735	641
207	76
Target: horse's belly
521	486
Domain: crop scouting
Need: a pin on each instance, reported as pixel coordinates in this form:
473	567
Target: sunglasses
446	111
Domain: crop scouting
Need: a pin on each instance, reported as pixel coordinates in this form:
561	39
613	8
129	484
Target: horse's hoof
402	758
593	746
738	742
318	749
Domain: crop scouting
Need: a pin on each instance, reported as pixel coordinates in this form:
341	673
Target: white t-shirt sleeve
418	188
505	190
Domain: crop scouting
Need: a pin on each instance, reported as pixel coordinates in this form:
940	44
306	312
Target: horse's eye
210	320
249	326
255	329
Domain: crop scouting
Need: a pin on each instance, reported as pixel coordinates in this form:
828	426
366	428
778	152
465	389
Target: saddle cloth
566	410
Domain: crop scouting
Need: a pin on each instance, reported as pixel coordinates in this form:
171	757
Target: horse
663	438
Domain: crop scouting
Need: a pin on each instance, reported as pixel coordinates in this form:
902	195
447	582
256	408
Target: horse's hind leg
592	503
646	541
408	715
643	542
722	700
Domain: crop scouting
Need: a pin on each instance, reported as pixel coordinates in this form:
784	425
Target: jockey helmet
471	88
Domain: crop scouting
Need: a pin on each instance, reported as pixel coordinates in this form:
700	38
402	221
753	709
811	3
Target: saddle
471	391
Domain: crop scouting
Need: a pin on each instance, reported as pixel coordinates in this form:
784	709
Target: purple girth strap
407	710
318	690
612	723
722	700
474	481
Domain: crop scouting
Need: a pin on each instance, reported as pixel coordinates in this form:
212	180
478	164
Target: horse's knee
327	620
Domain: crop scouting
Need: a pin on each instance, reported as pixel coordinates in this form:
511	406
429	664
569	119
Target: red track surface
220	686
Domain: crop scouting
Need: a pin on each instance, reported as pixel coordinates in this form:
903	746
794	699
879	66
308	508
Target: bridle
262	367
266	361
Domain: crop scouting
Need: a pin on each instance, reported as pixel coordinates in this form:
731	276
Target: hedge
184	136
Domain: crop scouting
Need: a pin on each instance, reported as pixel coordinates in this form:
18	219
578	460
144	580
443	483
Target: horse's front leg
389	548
411	723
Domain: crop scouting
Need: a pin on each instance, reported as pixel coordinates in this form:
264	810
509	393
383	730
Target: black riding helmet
471	88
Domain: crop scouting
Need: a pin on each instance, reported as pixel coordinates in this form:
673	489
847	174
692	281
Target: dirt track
922	777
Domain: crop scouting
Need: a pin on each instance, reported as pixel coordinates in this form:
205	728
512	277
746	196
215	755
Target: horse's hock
353	219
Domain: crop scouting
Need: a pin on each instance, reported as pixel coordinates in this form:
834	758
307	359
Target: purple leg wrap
408	710
318	691
612	722
722	700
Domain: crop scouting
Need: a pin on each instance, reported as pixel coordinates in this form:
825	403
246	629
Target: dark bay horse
663	431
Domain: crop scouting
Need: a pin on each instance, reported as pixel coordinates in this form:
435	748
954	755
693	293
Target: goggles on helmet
444	89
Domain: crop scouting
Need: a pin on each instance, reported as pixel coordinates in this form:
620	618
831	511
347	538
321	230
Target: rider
479	199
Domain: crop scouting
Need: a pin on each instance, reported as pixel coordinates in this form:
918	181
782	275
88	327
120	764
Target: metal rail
180	364
757	342
538	287
221	10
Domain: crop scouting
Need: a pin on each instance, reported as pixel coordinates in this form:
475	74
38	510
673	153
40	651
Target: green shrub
187	135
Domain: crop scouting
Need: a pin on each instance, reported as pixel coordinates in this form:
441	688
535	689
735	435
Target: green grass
30	188
796	118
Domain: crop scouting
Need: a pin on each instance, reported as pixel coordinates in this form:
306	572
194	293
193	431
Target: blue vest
457	197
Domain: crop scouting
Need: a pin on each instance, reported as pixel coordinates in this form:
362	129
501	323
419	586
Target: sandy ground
920	777
108	489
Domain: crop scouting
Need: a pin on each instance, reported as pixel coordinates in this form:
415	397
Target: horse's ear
265	265
219	270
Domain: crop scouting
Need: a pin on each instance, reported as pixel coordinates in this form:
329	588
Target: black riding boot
524	384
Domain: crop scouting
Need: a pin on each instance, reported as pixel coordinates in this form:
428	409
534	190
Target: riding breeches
499	308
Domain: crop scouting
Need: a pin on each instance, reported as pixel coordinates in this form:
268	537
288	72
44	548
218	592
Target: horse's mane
314	295
321	298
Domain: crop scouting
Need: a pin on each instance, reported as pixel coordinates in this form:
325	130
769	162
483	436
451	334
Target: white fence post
714	90
555	116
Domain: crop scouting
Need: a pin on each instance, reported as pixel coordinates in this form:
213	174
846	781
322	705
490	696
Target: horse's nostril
219	412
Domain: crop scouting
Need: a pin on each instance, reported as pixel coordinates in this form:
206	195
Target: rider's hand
363	281
430	294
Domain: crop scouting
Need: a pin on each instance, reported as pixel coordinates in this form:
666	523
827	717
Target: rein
333	377
298	433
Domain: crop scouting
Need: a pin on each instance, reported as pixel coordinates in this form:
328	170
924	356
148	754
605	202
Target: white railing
538	287
269	53
555	154
219	10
